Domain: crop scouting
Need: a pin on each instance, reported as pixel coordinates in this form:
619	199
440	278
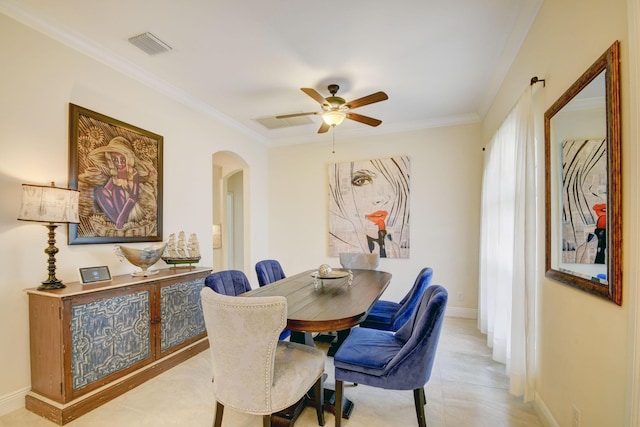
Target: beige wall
446	174
582	347
39	79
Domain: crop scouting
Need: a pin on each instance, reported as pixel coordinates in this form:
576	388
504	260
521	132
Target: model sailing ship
181	251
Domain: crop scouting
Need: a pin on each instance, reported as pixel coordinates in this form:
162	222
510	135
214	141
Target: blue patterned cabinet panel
180	313
109	335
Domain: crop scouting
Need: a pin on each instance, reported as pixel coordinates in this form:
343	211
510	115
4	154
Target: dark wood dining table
326	305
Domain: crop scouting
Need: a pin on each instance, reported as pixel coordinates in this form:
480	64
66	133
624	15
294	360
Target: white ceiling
440	62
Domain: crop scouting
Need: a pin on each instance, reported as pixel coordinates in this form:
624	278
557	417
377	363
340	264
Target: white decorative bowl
143	258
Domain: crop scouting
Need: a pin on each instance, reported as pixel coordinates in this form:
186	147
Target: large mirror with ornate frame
583	182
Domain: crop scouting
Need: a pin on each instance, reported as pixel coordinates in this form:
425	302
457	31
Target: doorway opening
230	216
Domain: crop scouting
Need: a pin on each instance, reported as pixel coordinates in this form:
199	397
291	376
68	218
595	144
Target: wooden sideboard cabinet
91	343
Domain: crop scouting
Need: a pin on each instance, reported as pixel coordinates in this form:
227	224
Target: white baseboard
13	401
465	313
544	413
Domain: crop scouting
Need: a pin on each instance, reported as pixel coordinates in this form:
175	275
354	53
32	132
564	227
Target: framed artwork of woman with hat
118	169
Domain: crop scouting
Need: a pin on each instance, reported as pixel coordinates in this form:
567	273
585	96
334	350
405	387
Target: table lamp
51	205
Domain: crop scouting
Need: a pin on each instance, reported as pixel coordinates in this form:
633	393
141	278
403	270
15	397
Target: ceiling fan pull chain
334	140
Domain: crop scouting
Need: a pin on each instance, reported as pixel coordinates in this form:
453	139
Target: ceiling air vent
149	43
273	123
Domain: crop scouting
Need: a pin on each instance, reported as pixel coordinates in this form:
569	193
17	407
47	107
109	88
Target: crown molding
101	54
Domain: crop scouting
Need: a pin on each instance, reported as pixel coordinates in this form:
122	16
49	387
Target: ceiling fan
335	109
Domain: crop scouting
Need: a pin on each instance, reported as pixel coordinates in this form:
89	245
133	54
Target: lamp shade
49	204
333	118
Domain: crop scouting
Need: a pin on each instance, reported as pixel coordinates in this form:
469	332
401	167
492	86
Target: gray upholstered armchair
254	372
394	361
359	260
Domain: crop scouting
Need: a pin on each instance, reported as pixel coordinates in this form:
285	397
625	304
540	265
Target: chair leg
338	403
266	420
319	398
420	401
219	411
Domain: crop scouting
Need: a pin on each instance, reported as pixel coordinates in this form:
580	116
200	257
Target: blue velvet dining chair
228	282
395	361
391	316
269	271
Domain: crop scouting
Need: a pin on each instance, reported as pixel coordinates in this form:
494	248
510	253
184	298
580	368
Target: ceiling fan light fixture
333	118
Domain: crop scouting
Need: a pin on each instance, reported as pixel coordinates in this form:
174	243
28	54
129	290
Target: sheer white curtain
508	244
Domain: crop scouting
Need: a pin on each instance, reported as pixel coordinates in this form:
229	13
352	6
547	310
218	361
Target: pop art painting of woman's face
369	207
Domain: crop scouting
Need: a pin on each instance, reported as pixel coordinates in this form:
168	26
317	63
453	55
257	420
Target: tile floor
467	389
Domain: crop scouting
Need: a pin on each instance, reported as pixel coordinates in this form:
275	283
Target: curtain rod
535	80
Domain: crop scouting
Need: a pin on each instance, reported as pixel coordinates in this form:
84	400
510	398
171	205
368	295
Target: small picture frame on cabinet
94	274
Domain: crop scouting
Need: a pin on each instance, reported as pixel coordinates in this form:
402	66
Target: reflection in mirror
582	154
579	164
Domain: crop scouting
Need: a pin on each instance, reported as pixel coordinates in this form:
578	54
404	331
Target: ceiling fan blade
286	116
366	100
363	119
323	127
314	94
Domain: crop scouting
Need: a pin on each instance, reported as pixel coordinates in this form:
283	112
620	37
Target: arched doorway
230	217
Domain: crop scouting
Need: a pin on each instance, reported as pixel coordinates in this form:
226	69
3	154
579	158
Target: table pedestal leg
287	417
330	403
342	335
302	338
329	395
325	337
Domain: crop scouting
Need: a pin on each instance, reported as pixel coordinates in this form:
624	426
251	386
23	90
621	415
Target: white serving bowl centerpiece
143	258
